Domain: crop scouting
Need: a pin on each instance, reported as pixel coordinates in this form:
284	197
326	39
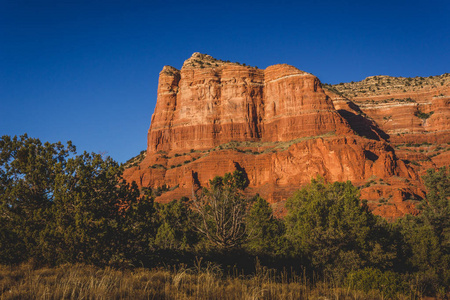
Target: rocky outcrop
414	113
408	110
277	125
210	102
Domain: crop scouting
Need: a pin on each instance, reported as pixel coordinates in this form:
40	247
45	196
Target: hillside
413	112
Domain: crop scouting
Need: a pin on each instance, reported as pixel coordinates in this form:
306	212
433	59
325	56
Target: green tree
265	232
175	218
138	225
328	225
427	237
60	206
28	175
424	254
165	237
436	210
86	205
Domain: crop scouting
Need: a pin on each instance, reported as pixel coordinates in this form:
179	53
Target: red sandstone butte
277	125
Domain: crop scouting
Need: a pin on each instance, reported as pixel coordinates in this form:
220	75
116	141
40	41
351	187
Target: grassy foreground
89	282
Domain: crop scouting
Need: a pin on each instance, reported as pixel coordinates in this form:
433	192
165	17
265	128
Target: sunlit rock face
210	102
278	125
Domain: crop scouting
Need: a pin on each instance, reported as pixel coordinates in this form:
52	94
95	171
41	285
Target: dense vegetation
57	207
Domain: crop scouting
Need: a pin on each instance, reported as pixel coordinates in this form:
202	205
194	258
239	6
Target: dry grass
88	282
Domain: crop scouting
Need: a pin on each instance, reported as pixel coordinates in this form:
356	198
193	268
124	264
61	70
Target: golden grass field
209	282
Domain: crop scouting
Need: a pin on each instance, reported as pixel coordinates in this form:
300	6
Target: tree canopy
327	225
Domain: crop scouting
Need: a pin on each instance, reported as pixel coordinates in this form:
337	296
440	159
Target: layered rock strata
413	112
276	125
203	107
407	109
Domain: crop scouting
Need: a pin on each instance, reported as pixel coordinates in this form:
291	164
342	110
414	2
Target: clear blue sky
87	71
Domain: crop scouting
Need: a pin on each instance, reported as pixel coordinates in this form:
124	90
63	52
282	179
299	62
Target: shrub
423	115
369	279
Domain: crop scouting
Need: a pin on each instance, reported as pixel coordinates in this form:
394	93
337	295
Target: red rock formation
409	110
277	125
200	108
414	114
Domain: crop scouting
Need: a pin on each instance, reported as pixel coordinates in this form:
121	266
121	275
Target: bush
387	283
423	115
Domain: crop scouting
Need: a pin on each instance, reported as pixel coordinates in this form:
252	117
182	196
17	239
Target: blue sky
87	71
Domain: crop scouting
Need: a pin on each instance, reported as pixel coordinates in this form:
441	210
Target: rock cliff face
278	125
413	112
209	103
407	109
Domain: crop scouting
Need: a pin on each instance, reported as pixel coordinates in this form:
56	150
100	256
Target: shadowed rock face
277	125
